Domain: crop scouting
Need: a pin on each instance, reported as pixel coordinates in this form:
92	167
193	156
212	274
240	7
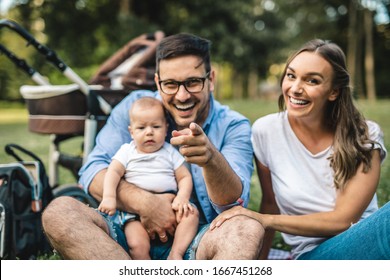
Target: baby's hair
147	103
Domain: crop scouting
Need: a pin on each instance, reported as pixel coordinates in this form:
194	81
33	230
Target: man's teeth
297	101
184	106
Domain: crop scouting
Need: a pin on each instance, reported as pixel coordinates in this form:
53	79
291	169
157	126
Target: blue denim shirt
229	131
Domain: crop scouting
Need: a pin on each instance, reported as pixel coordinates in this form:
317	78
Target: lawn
14	129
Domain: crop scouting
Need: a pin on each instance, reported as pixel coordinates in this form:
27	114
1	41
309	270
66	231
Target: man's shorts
158	250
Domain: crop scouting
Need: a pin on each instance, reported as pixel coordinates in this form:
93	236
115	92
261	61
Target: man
215	143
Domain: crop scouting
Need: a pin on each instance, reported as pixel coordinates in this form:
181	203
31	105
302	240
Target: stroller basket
81	109
63	109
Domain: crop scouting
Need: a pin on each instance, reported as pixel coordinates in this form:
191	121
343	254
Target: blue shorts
158	250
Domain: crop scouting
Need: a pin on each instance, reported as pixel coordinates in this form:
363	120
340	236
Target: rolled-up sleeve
236	147
376	134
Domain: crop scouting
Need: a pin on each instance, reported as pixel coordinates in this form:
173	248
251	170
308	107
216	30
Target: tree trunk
124	8
352	41
359	75
355	49
238	86
369	56
252	85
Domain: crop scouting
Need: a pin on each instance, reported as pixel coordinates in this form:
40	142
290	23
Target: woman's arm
268	205
349	207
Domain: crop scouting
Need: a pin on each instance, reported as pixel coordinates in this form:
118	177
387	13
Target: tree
369	56
249	38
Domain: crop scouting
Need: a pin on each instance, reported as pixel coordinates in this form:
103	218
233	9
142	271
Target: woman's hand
228	214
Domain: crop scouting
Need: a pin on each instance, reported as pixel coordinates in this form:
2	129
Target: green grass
14	129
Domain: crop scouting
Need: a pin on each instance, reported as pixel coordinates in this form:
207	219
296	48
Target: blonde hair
146	103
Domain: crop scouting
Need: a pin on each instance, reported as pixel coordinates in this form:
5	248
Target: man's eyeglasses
192	85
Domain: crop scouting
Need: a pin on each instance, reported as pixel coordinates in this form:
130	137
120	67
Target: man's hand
194	144
158	217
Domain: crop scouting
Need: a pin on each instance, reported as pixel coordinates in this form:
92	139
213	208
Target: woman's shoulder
269	120
374	128
376	134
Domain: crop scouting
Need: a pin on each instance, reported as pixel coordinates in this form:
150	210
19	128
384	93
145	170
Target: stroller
81	109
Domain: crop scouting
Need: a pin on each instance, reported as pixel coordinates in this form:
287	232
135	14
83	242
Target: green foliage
247	36
53	256
250	36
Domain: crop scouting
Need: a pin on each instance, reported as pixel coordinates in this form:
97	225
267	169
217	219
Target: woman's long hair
351	145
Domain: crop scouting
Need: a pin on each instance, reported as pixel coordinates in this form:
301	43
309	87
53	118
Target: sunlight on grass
13	115
14	129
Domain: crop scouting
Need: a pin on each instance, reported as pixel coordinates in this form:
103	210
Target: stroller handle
22	64
52	57
50	54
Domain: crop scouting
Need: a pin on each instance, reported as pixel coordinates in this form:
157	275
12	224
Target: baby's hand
182	207
108	206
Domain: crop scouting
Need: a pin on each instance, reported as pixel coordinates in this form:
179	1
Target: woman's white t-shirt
302	182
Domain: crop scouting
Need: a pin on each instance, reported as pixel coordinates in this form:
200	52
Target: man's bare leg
78	232
239	238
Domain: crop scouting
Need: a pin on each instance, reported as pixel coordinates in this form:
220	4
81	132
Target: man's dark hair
183	44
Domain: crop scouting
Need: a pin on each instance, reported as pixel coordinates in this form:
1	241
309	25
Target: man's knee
238	238
58	212
58	206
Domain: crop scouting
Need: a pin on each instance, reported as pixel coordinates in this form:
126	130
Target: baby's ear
129	128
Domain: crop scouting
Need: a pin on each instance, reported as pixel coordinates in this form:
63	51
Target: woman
318	163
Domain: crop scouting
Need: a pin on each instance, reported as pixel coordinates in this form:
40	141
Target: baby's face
148	129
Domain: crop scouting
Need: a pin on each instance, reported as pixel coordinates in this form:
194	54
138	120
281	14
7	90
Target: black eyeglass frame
179	83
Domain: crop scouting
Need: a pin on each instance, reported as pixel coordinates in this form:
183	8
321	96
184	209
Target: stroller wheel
75	191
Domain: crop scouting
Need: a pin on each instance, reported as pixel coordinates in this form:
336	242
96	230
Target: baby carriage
80	108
